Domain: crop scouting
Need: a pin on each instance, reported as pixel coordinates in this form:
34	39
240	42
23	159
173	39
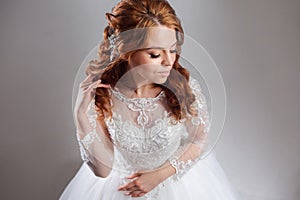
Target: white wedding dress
145	138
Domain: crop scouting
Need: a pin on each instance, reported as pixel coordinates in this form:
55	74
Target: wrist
166	171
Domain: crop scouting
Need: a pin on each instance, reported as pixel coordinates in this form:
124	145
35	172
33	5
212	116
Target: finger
136	193
89	77
141	194
99	84
88	80
104	85
134	175
90	86
95	85
134	188
85	84
126	186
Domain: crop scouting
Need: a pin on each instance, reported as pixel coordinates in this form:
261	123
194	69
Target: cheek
148	70
173	58
150	65
141	61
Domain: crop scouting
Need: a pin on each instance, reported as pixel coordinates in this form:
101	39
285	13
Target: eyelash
152	55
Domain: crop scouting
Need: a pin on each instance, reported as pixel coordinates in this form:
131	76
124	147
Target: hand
144	182
86	93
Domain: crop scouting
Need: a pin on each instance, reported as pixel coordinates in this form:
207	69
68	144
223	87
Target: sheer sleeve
194	140
95	148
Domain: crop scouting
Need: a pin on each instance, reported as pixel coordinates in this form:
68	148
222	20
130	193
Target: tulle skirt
204	181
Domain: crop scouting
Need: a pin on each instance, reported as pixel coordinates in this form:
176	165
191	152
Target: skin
144	181
85	95
150	65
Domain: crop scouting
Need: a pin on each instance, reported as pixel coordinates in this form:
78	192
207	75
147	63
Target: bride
142	121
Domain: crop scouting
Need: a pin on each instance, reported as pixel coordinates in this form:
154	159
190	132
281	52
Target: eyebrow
157	47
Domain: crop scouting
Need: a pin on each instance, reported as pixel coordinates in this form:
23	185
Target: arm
192	146
183	159
96	149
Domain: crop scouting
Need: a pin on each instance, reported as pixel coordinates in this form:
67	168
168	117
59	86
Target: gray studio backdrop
255	43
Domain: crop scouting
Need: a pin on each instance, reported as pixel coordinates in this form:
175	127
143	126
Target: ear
127	57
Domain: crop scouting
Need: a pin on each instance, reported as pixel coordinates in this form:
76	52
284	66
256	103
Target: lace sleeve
192	144
93	144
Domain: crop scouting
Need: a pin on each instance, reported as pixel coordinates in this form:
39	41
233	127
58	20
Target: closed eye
154	55
173	51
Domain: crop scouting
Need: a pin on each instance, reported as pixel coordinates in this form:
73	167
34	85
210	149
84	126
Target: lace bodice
145	136
142	131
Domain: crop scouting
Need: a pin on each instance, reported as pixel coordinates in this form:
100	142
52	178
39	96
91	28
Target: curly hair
132	15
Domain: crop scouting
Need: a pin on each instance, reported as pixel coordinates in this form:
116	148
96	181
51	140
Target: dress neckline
122	96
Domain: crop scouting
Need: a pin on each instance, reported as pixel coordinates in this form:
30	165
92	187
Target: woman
141	120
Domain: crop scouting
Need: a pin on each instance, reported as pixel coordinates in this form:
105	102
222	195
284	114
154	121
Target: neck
136	86
144	90
141	90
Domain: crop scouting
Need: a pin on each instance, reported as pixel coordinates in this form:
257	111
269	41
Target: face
154	62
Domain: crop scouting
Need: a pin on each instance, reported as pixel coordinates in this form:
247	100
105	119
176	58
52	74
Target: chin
161	80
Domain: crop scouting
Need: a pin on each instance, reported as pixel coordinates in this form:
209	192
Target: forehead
160	37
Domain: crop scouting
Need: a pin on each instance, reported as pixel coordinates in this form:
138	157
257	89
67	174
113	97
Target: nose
167	59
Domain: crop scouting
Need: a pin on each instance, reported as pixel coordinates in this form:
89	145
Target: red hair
134	14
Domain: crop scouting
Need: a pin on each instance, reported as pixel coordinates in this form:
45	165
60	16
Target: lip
164	73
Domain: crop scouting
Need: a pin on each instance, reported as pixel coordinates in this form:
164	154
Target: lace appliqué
140	105
148	148
148	140
90	137
202	118
83	153
180	166
85	143
200	105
